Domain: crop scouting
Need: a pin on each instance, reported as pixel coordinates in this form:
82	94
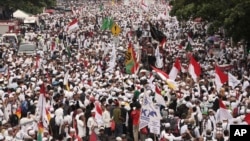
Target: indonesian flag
220	78
223	113
158	97
42	106
144	6
232	81
247	119
98	113
175	69
194	69
73	25
161	73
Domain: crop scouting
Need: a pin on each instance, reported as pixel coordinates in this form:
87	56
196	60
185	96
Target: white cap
72	130
148	139
31	132
248	111
167	125
123	103
118	139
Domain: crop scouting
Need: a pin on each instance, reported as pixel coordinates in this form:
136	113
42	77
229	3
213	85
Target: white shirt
91	124
81	128
106	118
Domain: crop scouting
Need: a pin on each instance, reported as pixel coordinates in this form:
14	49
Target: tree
29	6
232	15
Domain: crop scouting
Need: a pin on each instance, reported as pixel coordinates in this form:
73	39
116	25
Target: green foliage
232	15
29	6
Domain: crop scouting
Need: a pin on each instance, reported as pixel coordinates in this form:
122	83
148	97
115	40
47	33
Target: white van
8	38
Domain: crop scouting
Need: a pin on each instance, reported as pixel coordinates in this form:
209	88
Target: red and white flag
158	97
175	69
98	113
220	78
194	69
223	113
73	25
144	6
161	73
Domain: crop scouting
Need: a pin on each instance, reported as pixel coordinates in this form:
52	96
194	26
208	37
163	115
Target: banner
149	114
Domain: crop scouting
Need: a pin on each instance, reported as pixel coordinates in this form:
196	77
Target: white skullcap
4	122
118	139
242	111
167	125
72	130
204	98
248	111
32	132
148	139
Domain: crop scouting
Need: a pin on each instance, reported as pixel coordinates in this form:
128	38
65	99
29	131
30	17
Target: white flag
232	81
112	61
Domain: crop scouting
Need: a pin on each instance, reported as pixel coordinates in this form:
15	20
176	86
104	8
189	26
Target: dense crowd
86	99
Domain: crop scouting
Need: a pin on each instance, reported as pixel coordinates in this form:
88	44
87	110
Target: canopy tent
20	14
30	20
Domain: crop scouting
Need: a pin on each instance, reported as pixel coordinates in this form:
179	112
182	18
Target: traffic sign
115	30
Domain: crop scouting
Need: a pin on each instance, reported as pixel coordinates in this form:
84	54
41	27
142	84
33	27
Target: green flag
105	23
189	47
68	51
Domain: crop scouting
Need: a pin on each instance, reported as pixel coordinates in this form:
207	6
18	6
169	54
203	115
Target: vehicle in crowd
26	49
8	39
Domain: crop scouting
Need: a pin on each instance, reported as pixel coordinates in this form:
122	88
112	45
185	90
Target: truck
7	26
